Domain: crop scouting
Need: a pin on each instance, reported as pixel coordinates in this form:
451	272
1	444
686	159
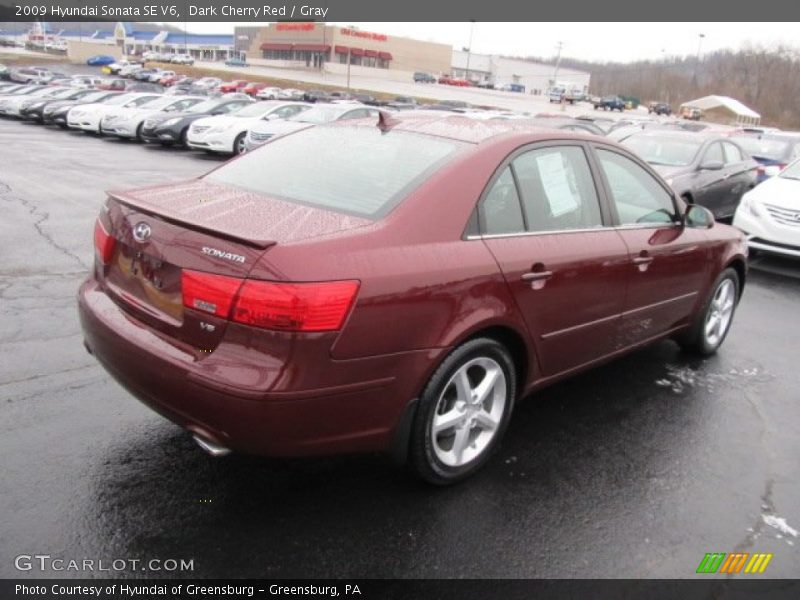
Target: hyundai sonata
397	287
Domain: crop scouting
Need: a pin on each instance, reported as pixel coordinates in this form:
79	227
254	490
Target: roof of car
680	134
464	129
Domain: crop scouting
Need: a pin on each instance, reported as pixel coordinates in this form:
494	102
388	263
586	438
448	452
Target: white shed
725	110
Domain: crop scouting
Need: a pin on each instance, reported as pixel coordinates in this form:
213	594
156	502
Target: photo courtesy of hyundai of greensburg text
383	301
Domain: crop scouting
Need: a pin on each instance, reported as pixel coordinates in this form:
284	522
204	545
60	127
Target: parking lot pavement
634	469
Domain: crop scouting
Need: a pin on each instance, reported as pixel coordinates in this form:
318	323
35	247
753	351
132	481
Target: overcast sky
592	41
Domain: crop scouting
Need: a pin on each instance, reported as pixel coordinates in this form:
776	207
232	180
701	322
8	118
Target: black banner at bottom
401	589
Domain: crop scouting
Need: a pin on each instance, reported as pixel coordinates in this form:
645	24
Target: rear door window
557	189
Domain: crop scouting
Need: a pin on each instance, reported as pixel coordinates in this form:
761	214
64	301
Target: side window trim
478	223
607	194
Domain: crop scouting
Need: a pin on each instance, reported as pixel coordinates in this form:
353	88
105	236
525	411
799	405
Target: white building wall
536	77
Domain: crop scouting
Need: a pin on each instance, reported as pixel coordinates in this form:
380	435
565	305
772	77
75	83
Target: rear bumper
246	400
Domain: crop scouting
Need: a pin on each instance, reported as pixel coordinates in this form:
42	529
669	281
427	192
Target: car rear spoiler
159	213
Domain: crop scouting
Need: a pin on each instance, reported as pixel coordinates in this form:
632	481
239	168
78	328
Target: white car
30	75
86	81
158	76
129	70
269	93
116	67
11	105
769	214
263	131
182	59
87	117
127	121
208	83
226	133
290	94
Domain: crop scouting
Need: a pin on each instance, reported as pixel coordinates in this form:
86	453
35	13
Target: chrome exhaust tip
210	447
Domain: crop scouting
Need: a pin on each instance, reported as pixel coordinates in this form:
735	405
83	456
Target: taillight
103	243
306	307
213	294
295	306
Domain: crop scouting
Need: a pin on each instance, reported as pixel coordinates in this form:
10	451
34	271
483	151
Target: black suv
659	108
610	103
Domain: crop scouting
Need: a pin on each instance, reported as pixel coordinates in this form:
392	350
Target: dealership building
333	48
535	77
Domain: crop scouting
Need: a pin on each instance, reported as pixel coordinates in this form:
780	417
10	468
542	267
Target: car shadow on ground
569	447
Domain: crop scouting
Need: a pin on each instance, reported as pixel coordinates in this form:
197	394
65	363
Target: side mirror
271	117
772	170
712	165
699	217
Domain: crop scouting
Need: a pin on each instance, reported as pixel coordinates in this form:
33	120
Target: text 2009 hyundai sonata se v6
397	286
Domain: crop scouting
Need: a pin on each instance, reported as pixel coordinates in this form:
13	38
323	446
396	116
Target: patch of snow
780	524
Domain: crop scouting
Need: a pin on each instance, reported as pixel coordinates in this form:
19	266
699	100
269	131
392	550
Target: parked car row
707	165
216	124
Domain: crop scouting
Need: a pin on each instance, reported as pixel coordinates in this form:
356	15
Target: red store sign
295	26
380	37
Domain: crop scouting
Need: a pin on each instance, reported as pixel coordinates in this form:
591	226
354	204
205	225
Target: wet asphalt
634	469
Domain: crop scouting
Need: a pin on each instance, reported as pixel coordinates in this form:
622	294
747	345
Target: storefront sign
380	37
295	26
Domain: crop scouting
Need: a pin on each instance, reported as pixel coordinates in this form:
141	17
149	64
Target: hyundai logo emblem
141	232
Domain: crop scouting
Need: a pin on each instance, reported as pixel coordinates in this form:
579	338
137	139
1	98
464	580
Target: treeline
765	79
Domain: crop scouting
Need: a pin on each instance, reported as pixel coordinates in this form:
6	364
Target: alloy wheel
469	412
720	312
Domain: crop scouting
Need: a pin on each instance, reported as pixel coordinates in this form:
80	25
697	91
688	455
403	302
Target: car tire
714	320
458	424
185	138
238	144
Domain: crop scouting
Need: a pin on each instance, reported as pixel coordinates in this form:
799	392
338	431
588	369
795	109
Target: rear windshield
667	151
771	149
353	170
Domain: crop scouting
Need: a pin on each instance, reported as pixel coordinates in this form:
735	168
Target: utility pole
348	70
559	46
469	48
700	37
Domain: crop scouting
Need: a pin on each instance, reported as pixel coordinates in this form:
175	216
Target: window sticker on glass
558	183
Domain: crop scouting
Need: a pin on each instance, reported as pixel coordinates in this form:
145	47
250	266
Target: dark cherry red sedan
353	287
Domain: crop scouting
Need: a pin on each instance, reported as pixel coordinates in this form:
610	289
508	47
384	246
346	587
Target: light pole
559	46
700	37
469	48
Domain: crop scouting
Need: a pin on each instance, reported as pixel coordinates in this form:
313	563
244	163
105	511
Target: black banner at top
394	10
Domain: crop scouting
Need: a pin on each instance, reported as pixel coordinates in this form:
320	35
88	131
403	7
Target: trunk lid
162	231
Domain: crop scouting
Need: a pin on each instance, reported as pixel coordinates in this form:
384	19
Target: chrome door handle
642	260
537	276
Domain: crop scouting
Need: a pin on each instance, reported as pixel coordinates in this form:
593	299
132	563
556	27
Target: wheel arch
738	265
507	335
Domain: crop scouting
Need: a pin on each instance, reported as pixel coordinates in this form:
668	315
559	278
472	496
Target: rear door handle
642	260
537	276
